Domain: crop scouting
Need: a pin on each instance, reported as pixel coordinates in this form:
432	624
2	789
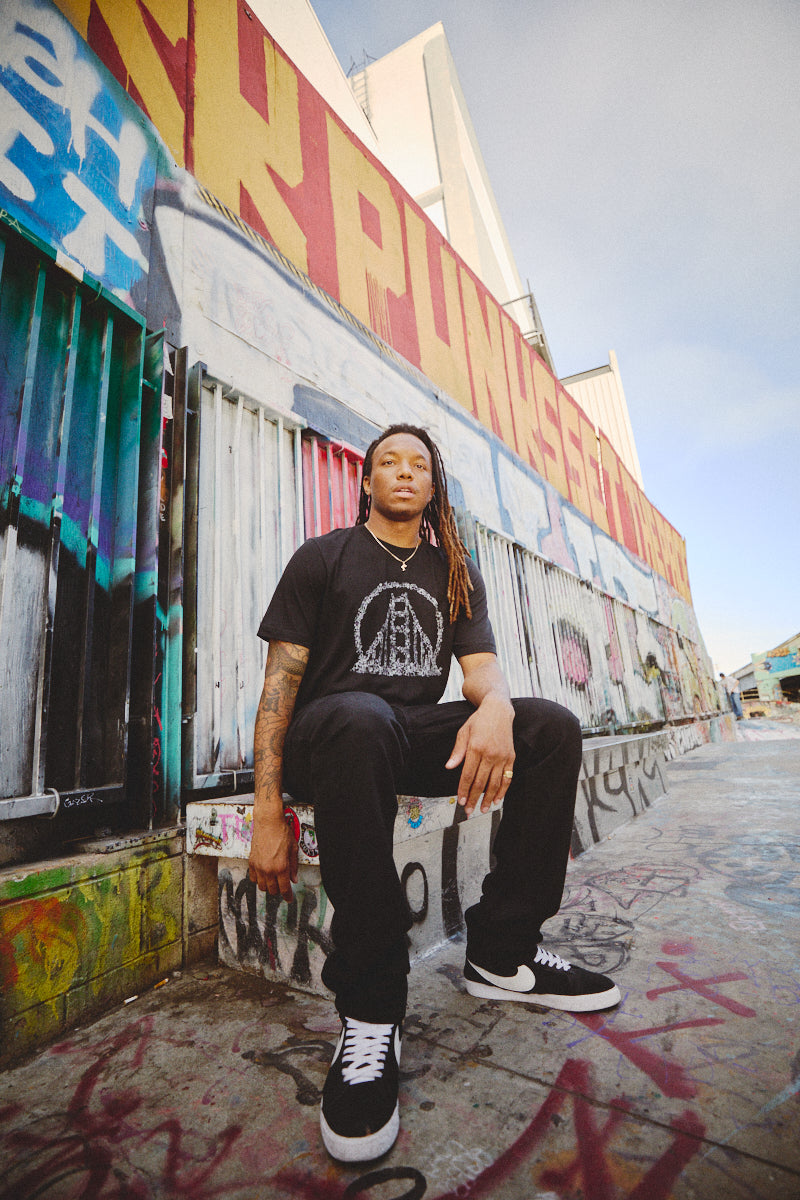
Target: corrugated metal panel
331	475
249	520
149	730
263	487
561	638
70	390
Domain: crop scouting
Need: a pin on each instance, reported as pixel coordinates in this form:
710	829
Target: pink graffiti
99	1121
591	1164
701	987
669	1076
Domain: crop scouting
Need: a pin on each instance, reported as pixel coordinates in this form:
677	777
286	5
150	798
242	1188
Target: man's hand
273	856
485	745
273	850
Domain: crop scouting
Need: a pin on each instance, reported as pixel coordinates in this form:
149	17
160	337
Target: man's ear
365	484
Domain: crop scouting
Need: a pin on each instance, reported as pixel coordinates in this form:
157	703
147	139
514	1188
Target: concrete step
441	857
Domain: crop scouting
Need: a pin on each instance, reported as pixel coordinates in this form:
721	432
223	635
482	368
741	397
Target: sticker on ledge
415	813
293	820
308	841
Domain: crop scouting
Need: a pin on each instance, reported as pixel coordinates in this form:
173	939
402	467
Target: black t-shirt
369	625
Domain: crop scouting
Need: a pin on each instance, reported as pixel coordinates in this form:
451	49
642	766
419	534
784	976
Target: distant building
427	140
775	673
296	28
601	396
416	109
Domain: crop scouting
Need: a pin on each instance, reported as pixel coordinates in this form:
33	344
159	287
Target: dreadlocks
438	521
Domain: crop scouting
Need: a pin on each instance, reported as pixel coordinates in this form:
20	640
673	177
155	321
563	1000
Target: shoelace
551	960
365	1048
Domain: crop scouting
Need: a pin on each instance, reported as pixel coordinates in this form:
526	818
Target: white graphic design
523	980
401	645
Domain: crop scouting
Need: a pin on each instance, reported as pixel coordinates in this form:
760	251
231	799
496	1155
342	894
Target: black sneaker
360	1116
547	979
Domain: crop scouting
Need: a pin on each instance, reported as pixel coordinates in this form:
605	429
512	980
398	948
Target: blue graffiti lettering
76	159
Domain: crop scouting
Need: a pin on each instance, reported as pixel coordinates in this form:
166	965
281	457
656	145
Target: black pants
350	755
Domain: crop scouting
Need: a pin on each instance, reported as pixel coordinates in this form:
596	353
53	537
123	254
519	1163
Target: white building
414	103
296	28
601	396
409	110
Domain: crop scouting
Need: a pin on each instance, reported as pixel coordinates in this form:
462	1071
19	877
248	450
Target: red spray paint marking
668	1076
98	1121
675	948
590	1163
308	1187
574	1074
701	987
658	1181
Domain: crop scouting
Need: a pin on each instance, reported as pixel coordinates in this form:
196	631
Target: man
361	630
733	688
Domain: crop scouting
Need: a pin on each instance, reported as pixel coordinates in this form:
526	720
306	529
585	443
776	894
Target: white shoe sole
355	1149
588	1003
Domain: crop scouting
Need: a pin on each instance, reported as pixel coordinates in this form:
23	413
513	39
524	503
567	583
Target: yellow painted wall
253	131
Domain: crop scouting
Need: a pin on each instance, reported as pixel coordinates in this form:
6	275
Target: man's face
401	482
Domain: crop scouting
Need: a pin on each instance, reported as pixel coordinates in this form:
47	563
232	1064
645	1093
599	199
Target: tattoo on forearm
285	667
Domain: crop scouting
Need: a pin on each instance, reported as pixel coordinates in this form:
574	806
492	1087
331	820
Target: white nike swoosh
523	981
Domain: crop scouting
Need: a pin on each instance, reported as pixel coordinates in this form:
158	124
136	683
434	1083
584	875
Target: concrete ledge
80	934
222	828
441	858
683	738
620	777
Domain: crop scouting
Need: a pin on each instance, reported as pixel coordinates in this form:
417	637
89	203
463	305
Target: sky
645	158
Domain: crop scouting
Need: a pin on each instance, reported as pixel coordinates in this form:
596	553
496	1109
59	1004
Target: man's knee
544	720
345	717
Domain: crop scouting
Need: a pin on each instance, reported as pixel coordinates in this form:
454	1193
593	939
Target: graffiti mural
777	672
78	160
254	315
86	935
441	861
216	86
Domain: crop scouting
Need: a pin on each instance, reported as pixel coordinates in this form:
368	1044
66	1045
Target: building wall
80	934
427	140
239	116
279	376
280	354
602	397
772	666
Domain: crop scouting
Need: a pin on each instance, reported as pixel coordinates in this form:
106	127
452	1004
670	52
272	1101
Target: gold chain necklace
403	561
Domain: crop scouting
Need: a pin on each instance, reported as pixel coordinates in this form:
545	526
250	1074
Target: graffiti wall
78	160
78	164
70	416
250	128
777	672
605	632
578	616
75	936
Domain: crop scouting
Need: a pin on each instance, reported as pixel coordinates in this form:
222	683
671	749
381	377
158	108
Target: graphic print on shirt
401	645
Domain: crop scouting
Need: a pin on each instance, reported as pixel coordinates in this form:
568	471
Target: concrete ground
208	1086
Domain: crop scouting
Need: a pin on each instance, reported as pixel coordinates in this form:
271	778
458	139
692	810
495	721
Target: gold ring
508	774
